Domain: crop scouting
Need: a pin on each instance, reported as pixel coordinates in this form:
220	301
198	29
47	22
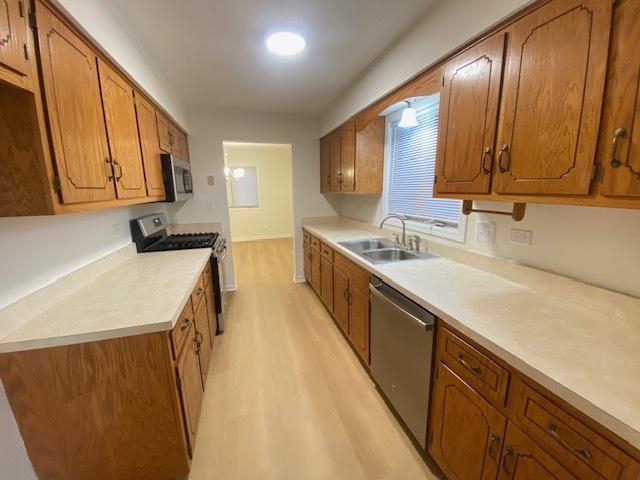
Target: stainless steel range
150	235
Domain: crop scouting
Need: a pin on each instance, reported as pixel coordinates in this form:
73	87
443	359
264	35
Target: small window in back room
410	163
242	187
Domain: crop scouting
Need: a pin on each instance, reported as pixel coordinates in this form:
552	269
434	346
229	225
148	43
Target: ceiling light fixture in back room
409	118
286	41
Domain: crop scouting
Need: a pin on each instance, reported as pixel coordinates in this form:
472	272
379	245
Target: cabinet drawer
307	237
181	329
198	292
326	251
562	434
206	274
358	277
315	243
475	368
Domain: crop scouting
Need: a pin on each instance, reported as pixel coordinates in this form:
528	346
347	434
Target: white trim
252	238
231	287
299	279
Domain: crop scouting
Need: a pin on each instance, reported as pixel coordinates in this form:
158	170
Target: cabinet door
164	136
621	164
466	431
211	312
178	142
306	253
203	340
359	322
552	97
522	459
149	146
341	298
76	117
191	390
348	157
325	165
335	149
468	118
315	270
14	47
326	282
122	132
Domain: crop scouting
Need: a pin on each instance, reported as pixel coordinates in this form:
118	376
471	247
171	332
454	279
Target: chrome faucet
404	226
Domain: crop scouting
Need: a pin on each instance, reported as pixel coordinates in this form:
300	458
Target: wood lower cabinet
190	381
212	315
315	270
341	298
150	147
359	321
466	431
122	132
76	117
306	253
468	118
15	48
326	282
203	338
554	78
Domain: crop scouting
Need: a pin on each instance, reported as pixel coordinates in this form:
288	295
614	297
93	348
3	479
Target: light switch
486	232
211	180
211	204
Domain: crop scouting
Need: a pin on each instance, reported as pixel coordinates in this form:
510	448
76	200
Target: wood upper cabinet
359	322
122	132
164	133
150	147
522	459
369	156
348	157
619	149
76	117
203	339
466	431
15	50
552	97
325	165
341	298
191	390
335	153
179	145
468	118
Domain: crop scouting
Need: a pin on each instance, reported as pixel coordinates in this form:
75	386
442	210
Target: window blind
412	172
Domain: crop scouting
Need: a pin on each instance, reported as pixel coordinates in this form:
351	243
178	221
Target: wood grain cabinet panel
15	50
325	165
315	270
180	147
180	330
348	157
212	315
619	151
552	97
369	160
122	132
150	147
468	118
466	432
326	282
306	252
522	459
203	340
76	117
164	135
341	298
359	322
335	154
191	389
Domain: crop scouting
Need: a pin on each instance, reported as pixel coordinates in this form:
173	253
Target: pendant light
409	118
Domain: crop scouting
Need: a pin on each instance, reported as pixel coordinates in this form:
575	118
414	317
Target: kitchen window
410	172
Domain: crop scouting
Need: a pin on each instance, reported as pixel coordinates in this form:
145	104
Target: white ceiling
213	53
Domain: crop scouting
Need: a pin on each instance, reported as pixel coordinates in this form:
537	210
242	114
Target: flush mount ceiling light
409	118
285	43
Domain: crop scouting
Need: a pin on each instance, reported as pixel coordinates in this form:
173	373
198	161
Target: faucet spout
404	226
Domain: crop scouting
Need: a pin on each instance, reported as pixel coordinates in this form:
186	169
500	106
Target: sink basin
383	255
360	246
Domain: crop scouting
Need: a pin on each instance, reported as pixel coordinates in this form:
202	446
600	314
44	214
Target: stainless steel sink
383	255
359	246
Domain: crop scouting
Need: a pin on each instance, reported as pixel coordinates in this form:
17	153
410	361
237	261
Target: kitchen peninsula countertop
144	293
588	358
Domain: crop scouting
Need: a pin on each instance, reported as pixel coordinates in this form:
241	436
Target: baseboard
261	237
230	288
299	279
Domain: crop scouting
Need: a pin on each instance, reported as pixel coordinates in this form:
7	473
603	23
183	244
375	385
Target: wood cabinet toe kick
105	409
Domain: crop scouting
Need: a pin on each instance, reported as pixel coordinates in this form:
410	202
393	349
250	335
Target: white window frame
230	194
448	232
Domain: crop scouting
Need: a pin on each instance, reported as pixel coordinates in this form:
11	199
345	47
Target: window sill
449	233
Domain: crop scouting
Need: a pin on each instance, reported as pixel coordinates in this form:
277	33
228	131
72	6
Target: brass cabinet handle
119	167
198	341
185	323
552	428
476	370
486	156
501	150
493	440
620	132
109	168
507	453
340	177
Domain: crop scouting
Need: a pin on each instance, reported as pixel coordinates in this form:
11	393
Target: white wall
273	218
443	27
37	250
209	128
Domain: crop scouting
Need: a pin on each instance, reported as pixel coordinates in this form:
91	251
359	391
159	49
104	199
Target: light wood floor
286	397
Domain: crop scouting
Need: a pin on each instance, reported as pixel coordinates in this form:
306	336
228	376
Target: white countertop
589	359
143	294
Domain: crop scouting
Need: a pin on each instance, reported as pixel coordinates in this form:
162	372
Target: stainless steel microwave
178	183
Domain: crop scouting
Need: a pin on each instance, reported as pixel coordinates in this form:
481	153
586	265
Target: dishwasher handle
389	301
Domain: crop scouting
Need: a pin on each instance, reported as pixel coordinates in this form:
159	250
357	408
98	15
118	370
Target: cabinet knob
486	156
501	150
508	452
615	163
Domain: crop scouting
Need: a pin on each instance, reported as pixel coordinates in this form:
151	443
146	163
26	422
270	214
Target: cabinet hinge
32	20
443	80
56	183
189	450
435	179
179	383
26	51
595	172
21	8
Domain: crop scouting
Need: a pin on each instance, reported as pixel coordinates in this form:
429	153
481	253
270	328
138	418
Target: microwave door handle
188	183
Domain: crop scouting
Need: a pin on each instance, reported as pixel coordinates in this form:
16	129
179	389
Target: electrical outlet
486	232
521	237
115	229
211	204
211	180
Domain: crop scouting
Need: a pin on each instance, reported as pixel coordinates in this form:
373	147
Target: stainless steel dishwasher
401	352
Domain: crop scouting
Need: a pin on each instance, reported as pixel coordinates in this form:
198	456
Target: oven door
178	182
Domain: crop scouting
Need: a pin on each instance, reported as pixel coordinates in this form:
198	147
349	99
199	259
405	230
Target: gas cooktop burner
183	241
